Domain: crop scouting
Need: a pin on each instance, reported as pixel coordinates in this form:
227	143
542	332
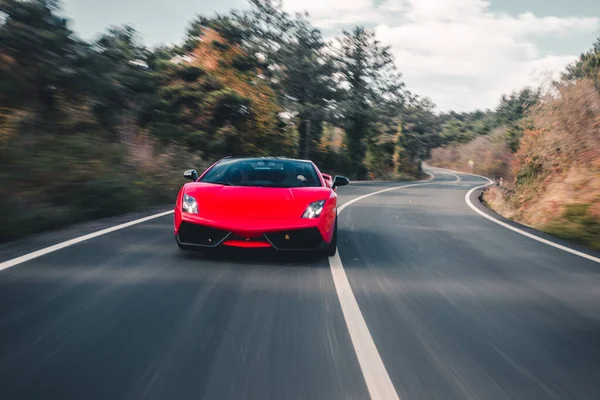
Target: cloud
457	52
327	7
333	13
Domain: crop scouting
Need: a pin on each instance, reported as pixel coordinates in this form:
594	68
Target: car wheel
332	248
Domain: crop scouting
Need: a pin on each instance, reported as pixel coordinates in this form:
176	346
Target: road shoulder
475	200
26	245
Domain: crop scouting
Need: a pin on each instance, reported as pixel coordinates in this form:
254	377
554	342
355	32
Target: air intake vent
296	239
201	235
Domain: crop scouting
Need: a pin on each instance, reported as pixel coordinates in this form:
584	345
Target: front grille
296	239
201	235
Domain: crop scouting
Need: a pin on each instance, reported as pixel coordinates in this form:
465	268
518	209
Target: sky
462	54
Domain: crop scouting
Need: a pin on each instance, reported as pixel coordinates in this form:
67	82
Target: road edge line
50	249
522	232
58	246
513	228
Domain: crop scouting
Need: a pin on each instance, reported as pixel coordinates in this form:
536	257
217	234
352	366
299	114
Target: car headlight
314	209
189	204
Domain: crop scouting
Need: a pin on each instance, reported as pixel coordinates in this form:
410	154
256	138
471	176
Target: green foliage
67	108
551	146
107	196
257	82
228	26
372	91
190	44
243	63
220	45
514	107
190	73
39	59
228	106
588	66
578	224
513	136
72	179
529	172
380	153
511	112
295	58
212	83
420	133
328	151
464	127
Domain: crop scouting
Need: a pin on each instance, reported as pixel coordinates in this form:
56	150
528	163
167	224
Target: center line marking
378	380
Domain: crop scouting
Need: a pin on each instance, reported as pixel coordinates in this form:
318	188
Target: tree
118	79
299	68
216	99
40	59
420	134
511	112
588	66
514	106
373	91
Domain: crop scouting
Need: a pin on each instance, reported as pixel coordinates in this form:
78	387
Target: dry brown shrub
490	154
147	157
10	123
497	198
567	129
556	170
558	167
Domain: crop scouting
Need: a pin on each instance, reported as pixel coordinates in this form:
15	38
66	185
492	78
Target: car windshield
263	172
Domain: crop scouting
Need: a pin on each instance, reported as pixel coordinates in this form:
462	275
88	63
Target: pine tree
372	90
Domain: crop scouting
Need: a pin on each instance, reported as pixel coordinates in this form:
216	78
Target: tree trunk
302	133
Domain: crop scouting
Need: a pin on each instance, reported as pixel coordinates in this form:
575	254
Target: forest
91	129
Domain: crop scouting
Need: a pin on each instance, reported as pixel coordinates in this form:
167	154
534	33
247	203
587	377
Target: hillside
557	168
548	173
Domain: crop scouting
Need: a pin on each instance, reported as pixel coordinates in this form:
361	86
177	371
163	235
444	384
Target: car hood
246	202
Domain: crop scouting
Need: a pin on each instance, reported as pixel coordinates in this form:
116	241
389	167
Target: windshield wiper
219	183
267	185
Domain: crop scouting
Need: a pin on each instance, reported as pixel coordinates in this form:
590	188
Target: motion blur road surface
457	306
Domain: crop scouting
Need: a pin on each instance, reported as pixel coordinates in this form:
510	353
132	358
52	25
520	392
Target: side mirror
191	174
340	181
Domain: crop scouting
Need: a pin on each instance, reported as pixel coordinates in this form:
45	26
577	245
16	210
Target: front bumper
285	235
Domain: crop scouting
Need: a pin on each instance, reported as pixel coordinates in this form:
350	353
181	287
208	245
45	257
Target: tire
332	248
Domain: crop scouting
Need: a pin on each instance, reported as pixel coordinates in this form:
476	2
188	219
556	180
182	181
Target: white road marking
512	228
50	249
62	245
378	381
376	376
522	232
460	172
450	172
457	180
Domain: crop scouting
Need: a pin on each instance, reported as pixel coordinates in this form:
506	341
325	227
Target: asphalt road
457	306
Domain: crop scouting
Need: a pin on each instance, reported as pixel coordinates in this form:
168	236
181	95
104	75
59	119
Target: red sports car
268	202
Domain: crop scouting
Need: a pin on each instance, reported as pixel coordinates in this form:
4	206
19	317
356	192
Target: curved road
457	307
